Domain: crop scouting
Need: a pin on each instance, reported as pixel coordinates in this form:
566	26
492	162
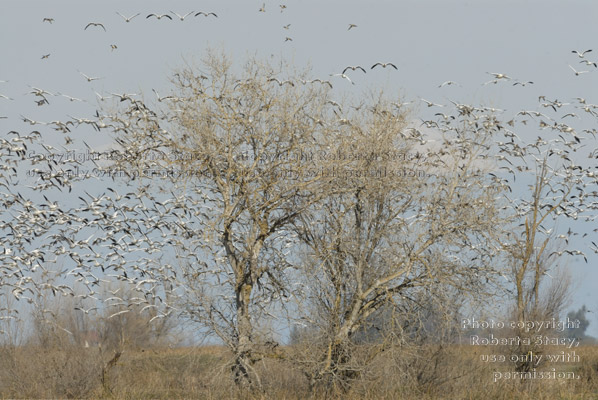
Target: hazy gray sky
429	41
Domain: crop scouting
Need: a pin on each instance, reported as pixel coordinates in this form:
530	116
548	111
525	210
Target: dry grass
453	372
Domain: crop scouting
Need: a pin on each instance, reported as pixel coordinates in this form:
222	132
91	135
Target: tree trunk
335	371
243	351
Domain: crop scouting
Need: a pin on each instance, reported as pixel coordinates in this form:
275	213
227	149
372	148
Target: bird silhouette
205	14
182	17
448	83
318	81
588	62
86	311
159	16
581	54
577	73
280	83
128	19
95	24
353	68
498	75
118	313
384	65
430	104
344	77
89	78
523	83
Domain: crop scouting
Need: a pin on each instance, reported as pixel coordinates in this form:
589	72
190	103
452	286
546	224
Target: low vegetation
204	372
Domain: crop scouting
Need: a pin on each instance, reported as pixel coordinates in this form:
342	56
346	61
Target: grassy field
204	373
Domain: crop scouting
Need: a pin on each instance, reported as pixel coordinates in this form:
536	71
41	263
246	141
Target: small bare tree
532	258
550	180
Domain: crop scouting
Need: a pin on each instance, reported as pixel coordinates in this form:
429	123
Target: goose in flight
95	24
351	26
118	313
40	92
523	83
353	68
162	98
384	65
280	83
50	20
160	316
582	54
444	116
577	73
570	115
588	62
89	78
495	81
71	98
84	310
182	17
430	104
159	16
44	56
125	96
317	80
399	105
263	8
499	75
102	98
128	19
344	77
448	83
206	14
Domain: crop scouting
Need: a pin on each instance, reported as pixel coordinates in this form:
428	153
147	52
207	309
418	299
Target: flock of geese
139	222
157	16
581	54
360	68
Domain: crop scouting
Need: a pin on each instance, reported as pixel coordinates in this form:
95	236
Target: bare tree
241	148
529	251
556	192
384	239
